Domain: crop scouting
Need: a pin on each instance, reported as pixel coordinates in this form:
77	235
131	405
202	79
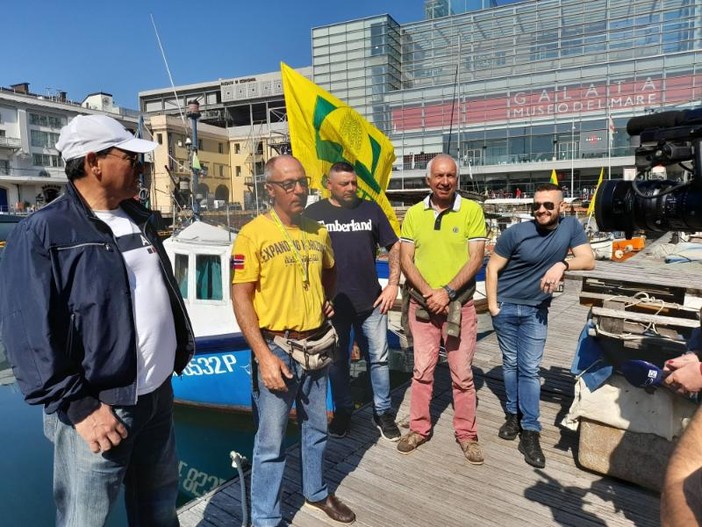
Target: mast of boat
174	206
253	166
453	111
194	114
143	191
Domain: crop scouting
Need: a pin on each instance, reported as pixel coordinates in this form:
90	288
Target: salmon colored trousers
460	351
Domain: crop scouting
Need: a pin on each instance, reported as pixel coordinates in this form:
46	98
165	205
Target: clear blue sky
87	46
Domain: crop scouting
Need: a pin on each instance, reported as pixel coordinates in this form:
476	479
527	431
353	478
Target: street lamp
194	114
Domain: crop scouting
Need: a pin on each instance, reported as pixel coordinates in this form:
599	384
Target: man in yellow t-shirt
283	273
441	249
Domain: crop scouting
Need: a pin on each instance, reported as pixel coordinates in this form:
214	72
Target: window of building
43	139
238	171
220	148
4	167
237	148
153	106
159	138
49	121
221	171
378	39
47	160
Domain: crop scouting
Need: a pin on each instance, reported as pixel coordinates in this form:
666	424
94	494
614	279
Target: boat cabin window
181	273
208	268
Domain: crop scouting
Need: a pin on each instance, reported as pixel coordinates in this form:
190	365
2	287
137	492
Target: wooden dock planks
435	486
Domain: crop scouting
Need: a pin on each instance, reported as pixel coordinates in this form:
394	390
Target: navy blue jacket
66	308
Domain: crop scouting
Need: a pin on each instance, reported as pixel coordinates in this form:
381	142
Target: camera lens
657	206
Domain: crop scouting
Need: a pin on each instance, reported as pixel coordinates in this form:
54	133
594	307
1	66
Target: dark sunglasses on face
133	159
548	205
289	185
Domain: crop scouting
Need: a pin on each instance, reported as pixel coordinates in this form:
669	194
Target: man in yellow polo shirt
442	248
283	274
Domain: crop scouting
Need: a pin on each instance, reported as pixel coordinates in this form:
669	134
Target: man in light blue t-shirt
525	268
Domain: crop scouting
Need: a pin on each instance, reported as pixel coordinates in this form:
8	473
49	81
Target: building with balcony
31	169
249	110
171	181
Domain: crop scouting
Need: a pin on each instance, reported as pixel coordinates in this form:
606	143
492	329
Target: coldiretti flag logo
324	130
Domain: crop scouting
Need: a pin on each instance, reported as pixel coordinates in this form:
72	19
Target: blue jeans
370	330
308	390
521	333
86	485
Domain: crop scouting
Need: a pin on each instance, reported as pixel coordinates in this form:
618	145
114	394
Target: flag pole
610	140
572	156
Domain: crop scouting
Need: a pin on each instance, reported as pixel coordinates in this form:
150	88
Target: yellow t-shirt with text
262	254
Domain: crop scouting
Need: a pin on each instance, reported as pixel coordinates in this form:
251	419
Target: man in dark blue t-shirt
357	227
525	268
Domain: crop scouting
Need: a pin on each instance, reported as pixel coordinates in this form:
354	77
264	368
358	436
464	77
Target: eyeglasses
548	205
289	185
133	159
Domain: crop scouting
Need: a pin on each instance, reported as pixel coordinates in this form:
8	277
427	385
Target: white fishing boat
219	374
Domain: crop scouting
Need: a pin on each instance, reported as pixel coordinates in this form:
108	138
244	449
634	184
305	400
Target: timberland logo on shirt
352	226
455	230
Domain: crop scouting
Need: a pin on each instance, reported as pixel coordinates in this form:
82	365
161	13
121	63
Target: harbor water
204	437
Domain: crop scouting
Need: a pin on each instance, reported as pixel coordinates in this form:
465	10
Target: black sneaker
386	424
530	447
340	424
510	429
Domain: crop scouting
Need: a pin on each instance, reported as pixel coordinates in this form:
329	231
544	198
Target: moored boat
219	374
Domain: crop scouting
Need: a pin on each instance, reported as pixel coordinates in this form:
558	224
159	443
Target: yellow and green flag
554	177
591	206
325	130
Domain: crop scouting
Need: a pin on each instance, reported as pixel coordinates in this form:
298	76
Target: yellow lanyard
302	262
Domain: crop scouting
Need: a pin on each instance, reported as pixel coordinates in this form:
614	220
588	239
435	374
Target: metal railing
10	142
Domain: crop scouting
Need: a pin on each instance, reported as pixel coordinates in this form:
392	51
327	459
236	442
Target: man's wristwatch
451	292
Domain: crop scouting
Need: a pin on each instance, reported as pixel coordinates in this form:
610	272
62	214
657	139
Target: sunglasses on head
548	205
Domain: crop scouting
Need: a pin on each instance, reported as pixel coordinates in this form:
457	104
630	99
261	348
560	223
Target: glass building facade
516	90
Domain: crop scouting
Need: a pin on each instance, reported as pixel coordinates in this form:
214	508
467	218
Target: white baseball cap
94	133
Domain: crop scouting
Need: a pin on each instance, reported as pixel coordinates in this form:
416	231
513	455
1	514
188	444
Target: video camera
661	139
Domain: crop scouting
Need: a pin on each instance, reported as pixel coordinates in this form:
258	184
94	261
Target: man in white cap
94	326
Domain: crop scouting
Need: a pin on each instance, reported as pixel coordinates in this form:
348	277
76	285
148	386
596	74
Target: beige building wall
250	148
172	165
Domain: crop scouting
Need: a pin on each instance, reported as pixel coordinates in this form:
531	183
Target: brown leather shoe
334	508
473	452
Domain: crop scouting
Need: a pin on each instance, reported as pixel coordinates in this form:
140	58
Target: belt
291	333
